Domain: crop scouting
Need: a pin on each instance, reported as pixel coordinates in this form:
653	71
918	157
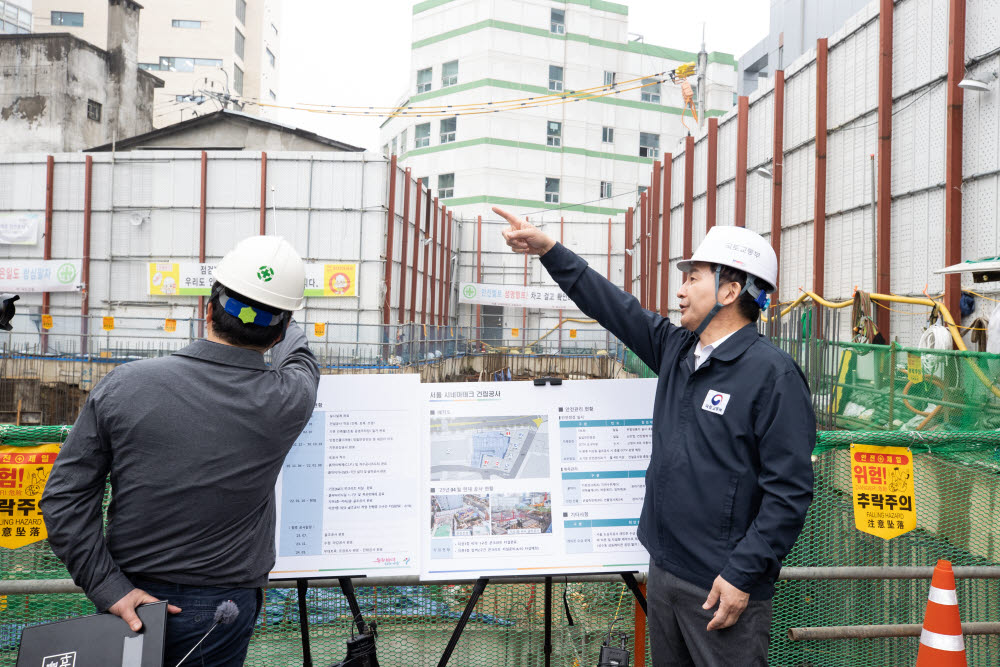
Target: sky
358	53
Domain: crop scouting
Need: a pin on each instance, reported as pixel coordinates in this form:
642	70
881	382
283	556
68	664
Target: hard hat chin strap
758	294
715	309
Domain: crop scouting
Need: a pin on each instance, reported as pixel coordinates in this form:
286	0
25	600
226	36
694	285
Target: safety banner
883	491
23	472
40	275
195	279
516	296
19	228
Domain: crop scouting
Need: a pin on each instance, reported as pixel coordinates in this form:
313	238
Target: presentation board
348	490
521	479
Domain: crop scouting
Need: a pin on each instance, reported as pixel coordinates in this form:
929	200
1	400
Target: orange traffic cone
941	643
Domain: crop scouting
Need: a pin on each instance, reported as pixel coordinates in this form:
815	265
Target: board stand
347	588
480	586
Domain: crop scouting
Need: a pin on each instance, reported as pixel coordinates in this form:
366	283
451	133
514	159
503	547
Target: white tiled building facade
583	159
221	46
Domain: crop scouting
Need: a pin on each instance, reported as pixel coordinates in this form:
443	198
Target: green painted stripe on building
531	203
601	5
641	48
538	90
529	146
429	4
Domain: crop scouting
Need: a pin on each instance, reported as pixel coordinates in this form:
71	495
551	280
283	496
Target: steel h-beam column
777	165
884	199
953	156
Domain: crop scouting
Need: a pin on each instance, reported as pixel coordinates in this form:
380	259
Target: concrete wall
47	81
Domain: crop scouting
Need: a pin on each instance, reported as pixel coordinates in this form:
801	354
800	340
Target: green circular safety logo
265	273
469	291
66	273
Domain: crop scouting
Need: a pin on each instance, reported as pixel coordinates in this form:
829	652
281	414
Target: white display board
521	479
348	490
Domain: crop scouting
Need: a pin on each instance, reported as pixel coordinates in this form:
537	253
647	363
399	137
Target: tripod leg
347	588
477	591
633	586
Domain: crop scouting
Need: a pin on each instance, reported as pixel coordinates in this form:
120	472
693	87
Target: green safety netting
865	397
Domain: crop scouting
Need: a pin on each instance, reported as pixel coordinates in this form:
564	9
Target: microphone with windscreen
225	613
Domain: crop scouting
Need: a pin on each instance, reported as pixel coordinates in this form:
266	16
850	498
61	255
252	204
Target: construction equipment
679	76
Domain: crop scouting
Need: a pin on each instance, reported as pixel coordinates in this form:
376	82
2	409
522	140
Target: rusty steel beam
953	154
440	277
643	230
668	169
628	249
742	137
654	237
479	267
778	158
819	204
401	307
884	198
688	193
88	183
431	311
447	272
263	196
416	252
50	171
712	175
390	230
202	227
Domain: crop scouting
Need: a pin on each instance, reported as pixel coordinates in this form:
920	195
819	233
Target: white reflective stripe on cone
942	642
942	596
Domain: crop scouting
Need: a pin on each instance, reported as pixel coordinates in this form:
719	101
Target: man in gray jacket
193	444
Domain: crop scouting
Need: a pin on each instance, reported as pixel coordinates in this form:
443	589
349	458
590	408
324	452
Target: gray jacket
193	443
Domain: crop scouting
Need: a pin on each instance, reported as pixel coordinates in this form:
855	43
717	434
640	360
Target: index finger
514	221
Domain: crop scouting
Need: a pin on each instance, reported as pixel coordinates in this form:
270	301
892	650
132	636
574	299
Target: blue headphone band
242	312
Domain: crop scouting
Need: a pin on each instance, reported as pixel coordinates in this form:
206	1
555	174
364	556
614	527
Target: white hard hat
266	269
739	248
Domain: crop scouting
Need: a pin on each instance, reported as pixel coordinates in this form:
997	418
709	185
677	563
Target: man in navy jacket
730	477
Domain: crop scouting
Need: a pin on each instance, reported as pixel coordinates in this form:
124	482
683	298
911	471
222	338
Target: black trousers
677	623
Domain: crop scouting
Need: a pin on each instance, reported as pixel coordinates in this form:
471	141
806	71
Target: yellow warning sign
23	473
319	328
170	325
46	322
882	490
572	333
164	278
108	323
340	280
515	332
914	368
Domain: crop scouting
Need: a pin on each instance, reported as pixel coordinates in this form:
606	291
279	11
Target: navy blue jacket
730	478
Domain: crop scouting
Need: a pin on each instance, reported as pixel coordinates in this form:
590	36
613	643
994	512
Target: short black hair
232	330
746	304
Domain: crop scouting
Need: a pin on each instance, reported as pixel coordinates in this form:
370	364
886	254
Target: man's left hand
731	600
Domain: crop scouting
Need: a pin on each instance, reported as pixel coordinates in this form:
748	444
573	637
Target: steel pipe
880	631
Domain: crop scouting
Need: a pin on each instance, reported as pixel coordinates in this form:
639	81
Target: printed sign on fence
40	275
535	296
196	279
46	322
883	490
20	228
914	368
23	473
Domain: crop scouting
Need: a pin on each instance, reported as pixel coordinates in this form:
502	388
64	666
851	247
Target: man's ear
730	293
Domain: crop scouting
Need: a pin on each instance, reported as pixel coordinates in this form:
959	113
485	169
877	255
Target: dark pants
227	645
677	623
